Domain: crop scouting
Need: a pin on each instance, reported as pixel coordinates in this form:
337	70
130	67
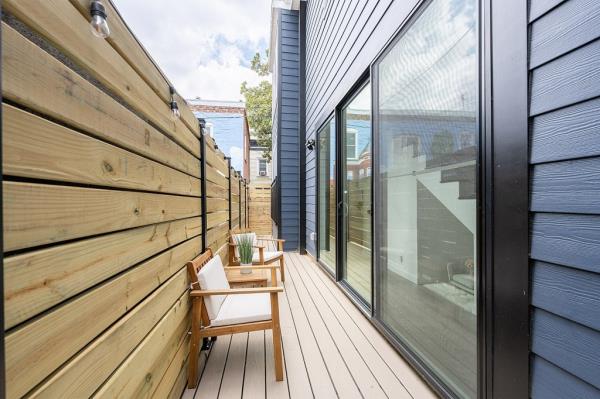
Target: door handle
344	207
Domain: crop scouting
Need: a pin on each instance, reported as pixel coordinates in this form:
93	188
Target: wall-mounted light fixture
175	114
98	23
310	144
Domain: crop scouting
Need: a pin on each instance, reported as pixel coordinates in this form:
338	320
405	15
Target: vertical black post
506	279
229	192
203	184
2	359
240	202
302	127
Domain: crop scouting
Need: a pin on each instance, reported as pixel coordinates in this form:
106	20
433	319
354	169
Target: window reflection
326	195
428	144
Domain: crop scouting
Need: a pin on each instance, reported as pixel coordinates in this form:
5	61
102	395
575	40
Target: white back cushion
212	277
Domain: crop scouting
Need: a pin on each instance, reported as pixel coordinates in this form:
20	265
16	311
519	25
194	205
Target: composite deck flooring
330	350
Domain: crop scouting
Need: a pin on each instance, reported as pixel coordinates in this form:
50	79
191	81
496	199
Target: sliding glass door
326	195
356	193
426	111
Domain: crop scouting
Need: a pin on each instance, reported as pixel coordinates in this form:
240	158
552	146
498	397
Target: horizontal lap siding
102	209
288	130
343	39
564	192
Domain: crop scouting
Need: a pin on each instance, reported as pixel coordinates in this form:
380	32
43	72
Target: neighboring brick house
227	123
261	170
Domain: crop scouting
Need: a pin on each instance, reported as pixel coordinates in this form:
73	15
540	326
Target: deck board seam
310	297
299	345
314	337
360	354
329	287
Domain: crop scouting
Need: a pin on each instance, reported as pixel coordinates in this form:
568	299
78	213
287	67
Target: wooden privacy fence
105	198
259	208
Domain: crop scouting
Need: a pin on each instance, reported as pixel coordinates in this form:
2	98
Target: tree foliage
258	104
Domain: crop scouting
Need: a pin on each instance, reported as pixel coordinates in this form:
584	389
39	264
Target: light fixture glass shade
99	26
175	114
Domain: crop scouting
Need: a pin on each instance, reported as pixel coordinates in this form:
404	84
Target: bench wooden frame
201	323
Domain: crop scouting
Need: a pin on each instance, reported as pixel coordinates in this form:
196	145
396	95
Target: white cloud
203	46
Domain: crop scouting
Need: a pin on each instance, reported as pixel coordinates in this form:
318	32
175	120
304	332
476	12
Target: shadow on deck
330	350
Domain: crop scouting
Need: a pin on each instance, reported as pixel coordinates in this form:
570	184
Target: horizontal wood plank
68	30
34	147
216	218
30	76
37	280
38	348
85	373
139	375
37	214
130	49
217	204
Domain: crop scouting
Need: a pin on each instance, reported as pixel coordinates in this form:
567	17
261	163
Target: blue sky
203	46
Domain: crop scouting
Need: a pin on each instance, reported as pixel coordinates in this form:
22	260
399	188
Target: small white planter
245	268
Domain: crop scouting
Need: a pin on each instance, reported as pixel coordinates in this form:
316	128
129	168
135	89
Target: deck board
330	350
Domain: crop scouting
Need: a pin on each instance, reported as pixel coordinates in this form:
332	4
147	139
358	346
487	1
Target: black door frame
328	119
361	83
503	197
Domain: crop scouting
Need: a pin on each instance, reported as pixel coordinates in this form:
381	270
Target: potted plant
245	245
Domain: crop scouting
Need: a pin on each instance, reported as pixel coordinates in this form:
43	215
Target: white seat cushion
268	256
243	308
212	277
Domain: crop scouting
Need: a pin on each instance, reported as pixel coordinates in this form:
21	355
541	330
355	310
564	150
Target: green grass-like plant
245	247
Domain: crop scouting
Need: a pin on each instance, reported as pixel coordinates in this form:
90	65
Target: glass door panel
356	189
428	136
326	193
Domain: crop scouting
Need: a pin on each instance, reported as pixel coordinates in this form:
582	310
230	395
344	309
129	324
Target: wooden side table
258	278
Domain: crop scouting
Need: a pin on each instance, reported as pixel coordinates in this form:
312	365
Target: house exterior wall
286	125
256	154
565	198
341	42
564	156
228	125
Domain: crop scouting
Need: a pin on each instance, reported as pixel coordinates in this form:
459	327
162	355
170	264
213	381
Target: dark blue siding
343	38
565	198
288	68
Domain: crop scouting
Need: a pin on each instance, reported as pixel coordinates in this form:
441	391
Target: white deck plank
210	382
298	381
363	376
318	373
391	384
254	379
330	350
233	376
404	372
275	389
341	376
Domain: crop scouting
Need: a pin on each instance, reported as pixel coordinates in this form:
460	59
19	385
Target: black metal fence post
229	192
240	202
203	184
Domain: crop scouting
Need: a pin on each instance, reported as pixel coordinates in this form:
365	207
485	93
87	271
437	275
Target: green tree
258	103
